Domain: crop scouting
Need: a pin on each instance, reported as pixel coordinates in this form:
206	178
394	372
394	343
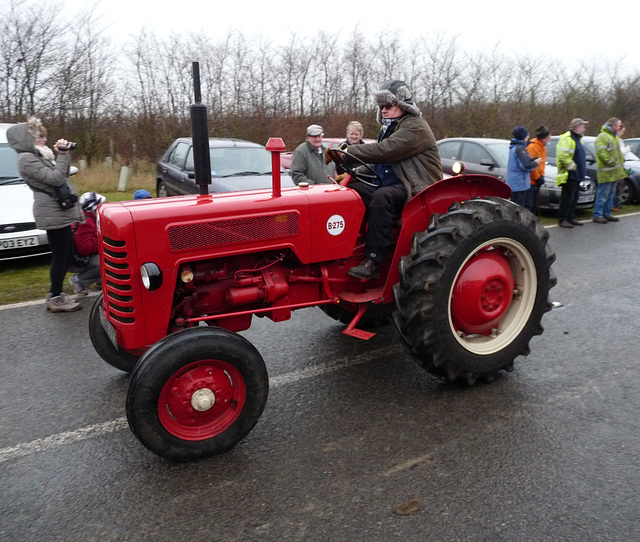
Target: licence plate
20	242
585	199
108	329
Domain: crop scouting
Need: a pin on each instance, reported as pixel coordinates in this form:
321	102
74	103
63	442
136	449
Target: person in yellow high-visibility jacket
571	161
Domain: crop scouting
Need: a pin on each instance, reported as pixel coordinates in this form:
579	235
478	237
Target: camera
69	147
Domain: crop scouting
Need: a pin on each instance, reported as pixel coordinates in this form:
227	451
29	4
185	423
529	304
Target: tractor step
358	333
351	329
364	297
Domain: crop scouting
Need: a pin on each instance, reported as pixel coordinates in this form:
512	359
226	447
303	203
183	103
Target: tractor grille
226	232
119	281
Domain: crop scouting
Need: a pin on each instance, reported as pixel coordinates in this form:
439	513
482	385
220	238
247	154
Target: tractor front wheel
197	393
103	345
474	289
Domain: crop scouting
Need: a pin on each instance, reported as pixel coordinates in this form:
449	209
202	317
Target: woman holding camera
45	177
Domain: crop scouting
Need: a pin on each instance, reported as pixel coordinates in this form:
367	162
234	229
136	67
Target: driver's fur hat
396	92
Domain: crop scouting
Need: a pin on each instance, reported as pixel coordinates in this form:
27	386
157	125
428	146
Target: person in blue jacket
519	167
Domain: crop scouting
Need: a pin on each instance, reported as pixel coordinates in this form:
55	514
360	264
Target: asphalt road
352	429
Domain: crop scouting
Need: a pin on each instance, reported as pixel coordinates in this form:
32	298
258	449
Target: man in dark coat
406	161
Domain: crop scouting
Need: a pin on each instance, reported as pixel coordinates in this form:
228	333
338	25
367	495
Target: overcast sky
566	30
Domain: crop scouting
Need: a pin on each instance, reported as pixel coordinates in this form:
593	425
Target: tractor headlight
151	276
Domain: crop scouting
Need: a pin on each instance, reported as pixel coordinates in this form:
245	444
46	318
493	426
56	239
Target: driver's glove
341	177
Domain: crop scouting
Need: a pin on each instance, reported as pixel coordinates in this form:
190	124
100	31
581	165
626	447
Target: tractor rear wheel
103	345
196	393
474	289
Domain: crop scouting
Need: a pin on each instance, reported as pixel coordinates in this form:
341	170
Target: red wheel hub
202	400
482	293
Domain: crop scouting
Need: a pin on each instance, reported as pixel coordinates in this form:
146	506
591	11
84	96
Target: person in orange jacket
537	148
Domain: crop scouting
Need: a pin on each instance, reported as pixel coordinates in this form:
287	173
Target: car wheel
626	193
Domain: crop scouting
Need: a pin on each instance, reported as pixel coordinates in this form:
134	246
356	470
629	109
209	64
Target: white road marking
39	302
55	441
96	430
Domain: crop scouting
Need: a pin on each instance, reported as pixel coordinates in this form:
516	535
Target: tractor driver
405	159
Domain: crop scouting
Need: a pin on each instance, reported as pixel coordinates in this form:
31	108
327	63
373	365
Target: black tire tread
102	344
167	357
418	316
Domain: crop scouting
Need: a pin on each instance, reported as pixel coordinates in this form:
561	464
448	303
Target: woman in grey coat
43	175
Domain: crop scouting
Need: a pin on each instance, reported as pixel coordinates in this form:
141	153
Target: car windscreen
239	161
8	165
501	151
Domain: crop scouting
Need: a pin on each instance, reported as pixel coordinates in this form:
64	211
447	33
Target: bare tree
255	89
87	82
356	71
143	89
29	45
329	74
295	58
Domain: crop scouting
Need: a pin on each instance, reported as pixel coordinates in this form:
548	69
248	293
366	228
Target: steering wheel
346	161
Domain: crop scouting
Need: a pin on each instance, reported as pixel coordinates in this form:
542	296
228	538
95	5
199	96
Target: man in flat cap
572	167
307	164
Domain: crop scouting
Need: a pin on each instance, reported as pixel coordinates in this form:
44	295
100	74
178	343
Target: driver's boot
368	269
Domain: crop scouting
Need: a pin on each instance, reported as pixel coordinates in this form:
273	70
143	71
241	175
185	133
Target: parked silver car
634	144
629	190
489	156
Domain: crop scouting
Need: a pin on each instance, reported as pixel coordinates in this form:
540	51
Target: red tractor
468	285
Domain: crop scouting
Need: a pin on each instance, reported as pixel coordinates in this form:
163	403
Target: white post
124	179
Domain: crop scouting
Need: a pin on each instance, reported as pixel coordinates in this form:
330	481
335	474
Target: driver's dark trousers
384	206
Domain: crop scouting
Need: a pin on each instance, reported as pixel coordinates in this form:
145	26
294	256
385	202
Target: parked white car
19	237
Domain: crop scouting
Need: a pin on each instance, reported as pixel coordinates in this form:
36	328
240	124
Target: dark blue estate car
235	165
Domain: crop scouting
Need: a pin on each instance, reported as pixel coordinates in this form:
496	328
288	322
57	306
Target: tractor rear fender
437	198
